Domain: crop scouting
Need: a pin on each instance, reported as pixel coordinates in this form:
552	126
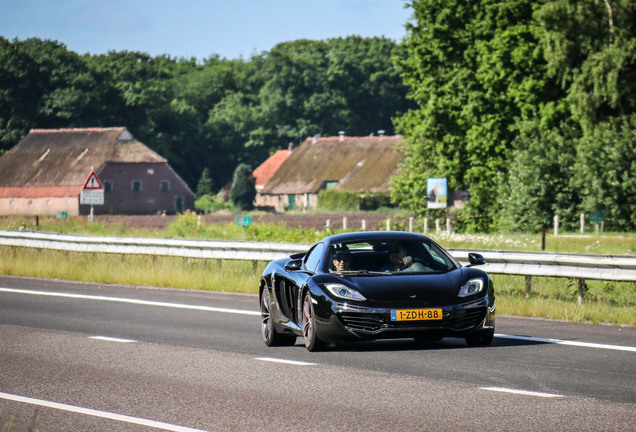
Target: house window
150	171
165	185
136	185
108	186
331	184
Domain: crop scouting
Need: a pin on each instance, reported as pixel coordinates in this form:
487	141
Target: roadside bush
333	200
212	203
375	201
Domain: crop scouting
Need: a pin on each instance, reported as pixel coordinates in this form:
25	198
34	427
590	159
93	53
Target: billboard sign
437	193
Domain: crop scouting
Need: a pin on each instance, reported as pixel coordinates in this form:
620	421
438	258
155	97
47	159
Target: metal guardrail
602	267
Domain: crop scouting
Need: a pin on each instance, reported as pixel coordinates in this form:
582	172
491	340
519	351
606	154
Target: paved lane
188	359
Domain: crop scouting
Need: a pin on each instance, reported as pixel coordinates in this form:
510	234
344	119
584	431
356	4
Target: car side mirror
294	265
476	259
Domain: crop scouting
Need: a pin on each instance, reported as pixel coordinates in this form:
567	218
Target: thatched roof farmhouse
45	173
357	164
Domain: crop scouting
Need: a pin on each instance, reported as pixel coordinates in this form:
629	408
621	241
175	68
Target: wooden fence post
582	223
582	289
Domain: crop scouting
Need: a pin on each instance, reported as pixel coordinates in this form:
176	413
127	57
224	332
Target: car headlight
344	292
471	287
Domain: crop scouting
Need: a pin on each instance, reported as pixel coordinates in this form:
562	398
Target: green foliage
513	99
212	203
214	113
335	200
538	185
204	187
282	233
375	201
243	190
188	224
604	172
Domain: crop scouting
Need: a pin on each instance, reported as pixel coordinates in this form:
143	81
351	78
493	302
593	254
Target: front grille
466	318
456	320
364	322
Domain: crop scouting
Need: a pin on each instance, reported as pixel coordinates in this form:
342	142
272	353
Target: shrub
334	200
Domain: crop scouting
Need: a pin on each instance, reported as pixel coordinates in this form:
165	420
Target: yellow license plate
416	314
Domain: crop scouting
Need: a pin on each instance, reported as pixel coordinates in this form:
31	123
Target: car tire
480	338
270	336
312	343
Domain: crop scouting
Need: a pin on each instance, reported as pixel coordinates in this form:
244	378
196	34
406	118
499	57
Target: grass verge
556	298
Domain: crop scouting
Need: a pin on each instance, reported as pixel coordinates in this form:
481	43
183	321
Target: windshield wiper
363	273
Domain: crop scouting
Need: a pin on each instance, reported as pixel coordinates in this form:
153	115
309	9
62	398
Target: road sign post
244	221
92	192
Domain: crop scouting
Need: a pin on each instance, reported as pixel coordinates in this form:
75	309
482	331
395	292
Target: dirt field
374	221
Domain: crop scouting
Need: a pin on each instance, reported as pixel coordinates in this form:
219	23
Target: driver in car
341	257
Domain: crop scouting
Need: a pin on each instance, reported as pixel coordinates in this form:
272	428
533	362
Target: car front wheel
312	343
270	336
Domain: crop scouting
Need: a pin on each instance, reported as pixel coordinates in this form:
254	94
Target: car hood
416	288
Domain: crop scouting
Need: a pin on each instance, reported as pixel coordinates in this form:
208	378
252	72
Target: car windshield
389	257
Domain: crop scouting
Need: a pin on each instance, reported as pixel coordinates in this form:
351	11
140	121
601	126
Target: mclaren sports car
372	285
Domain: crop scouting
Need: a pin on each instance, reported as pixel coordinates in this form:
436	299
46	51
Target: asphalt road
90	357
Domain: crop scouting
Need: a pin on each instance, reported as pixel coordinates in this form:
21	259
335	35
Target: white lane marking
111	339
256	313
568	342
292	362
97	413
130	300
521	392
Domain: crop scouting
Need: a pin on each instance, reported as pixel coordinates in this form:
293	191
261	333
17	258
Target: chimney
315	140
381	133
342	133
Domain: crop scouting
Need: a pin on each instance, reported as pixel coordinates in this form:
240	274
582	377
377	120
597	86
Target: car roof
374	235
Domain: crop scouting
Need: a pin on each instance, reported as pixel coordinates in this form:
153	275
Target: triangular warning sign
93	182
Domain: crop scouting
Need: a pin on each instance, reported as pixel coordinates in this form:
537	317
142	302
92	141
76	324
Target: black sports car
371	285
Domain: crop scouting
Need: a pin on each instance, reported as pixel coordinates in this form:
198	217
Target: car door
290	290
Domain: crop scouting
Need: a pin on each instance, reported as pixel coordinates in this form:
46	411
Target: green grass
555	298
187	273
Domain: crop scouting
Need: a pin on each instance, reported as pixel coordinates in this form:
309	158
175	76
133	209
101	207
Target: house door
178	204
291	202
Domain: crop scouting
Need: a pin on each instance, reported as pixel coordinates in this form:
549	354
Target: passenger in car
401	260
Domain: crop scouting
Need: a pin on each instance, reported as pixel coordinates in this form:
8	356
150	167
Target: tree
43	85
604	172
474	69
243	189
204	187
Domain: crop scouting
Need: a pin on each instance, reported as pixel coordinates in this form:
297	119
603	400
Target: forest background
528	105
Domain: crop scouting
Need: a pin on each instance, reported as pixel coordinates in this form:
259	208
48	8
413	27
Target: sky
231	29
